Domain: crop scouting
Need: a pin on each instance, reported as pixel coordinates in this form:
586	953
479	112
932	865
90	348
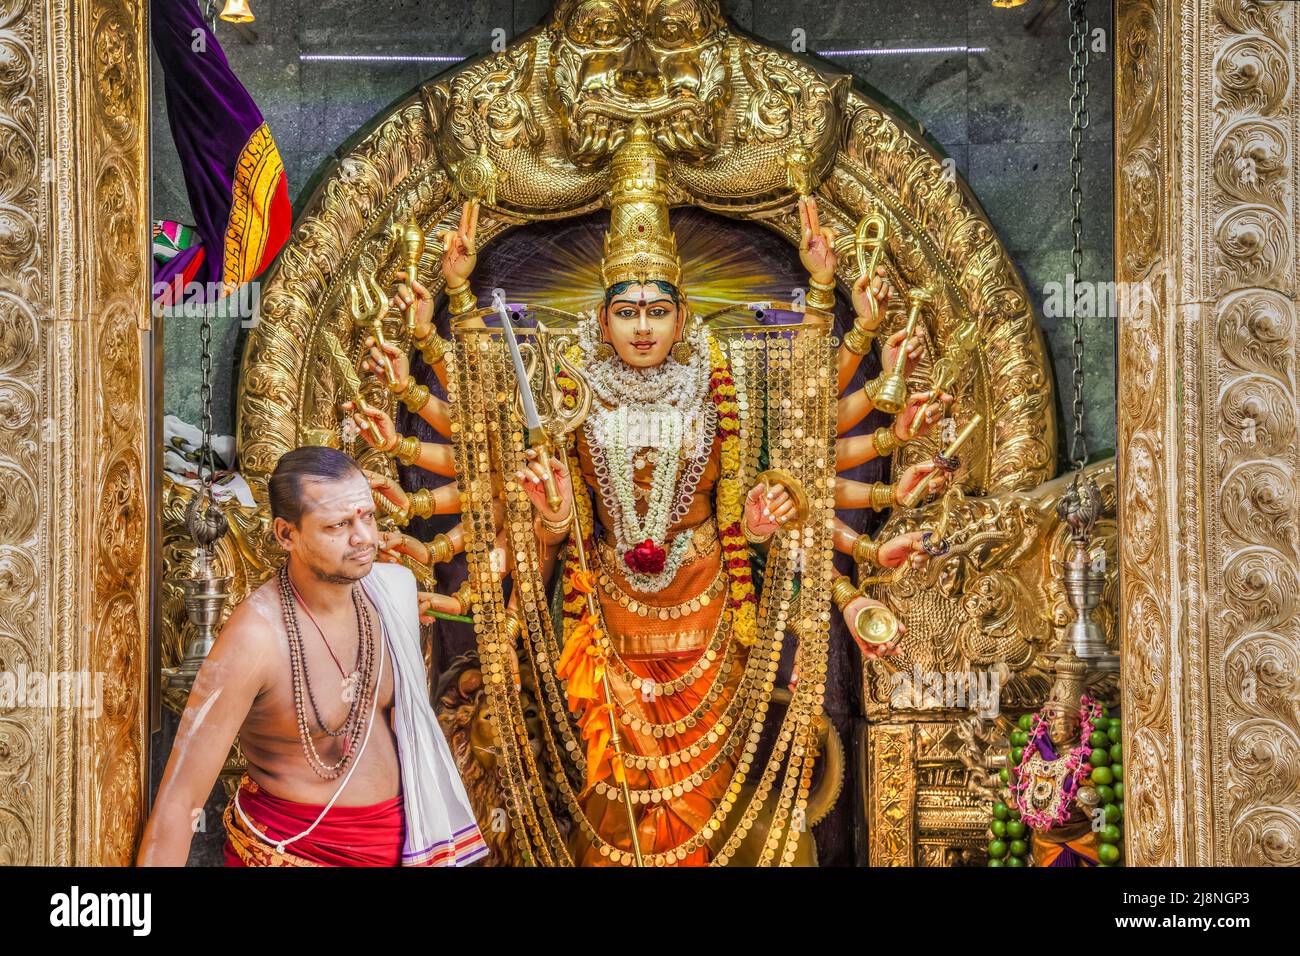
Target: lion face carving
662	61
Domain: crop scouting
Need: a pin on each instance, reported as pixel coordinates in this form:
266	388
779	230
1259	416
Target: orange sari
663	650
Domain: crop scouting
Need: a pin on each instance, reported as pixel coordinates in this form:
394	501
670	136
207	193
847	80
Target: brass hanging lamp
1081	506
205	589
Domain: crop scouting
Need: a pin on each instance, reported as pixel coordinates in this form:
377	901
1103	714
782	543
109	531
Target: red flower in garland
646	558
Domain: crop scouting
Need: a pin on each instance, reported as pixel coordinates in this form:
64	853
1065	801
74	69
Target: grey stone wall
1001	112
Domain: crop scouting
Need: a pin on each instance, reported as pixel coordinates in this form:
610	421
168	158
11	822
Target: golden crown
640	245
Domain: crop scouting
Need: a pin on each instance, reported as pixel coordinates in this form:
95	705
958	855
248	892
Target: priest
319	672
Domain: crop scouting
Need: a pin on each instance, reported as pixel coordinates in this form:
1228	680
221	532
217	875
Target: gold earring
604	351
682	349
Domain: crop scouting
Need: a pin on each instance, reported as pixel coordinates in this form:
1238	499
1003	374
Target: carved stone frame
74	336
1207	129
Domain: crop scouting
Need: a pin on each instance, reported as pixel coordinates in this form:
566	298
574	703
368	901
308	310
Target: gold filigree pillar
1206	226
74	529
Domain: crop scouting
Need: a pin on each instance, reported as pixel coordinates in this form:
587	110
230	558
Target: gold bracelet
885	441
441	550
401	389
872	388
865	550
433	348
407	449
460	299
843	591
882	496
414	397
556	527
514	626
465	595
821	295
858	340
421	502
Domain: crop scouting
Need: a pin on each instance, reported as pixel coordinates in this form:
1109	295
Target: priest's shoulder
394	576
255	624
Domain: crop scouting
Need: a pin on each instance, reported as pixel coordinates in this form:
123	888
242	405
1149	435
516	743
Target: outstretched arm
922	411
230	679
458	259
857	405
850	494
424	503
431	456
402	384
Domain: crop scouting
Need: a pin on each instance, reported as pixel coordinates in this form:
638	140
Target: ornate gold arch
1212	768
75	463
406	168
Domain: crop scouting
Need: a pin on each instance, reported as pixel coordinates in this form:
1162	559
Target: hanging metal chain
1082	502
1079	106
207	457
204	516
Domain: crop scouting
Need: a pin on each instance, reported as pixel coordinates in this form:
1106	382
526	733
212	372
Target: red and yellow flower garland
743	604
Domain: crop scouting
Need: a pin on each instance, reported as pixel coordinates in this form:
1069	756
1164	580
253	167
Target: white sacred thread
370	725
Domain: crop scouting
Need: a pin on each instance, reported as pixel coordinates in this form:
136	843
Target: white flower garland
673	398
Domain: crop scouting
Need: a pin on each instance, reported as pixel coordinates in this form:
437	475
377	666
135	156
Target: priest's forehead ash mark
349	497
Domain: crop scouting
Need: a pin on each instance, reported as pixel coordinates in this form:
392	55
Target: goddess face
614	61
642	322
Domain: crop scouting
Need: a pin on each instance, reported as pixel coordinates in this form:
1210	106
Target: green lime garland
1009	836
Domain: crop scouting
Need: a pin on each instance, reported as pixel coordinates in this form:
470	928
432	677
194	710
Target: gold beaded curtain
785	395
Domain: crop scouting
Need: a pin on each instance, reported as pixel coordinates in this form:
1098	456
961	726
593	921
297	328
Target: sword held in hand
540	441
537	437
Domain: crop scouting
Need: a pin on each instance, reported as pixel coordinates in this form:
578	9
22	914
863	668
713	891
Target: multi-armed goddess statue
652	599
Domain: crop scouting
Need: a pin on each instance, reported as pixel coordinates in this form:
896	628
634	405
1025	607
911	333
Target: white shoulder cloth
440	826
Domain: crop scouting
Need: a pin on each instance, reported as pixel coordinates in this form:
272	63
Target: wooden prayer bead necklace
354	725
351	681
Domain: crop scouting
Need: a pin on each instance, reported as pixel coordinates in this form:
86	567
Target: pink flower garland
1089	710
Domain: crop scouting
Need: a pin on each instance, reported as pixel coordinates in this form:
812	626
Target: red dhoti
348	836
